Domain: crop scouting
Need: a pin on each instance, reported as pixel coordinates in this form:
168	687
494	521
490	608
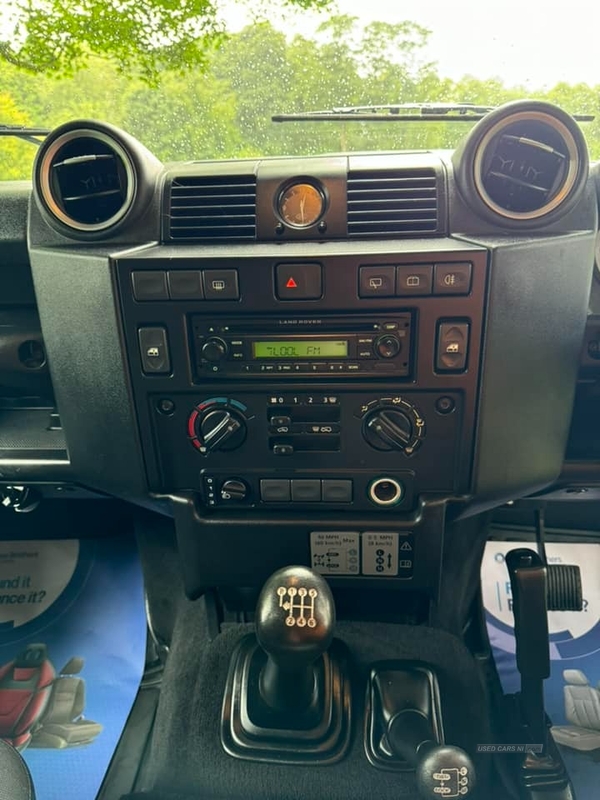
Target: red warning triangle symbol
291	284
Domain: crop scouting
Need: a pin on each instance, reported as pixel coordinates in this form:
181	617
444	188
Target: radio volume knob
388	429
214	350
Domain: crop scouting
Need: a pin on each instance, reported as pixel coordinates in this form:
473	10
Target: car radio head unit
294	347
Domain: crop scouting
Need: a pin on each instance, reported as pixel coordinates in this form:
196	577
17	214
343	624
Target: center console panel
309	404
315	378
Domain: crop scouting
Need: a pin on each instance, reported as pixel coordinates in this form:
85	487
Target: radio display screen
301	348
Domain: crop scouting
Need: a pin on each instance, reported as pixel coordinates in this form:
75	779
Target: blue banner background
100	617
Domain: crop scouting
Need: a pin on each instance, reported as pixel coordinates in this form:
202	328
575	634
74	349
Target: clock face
301	205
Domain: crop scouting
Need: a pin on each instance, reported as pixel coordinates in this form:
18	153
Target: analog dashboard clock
301	204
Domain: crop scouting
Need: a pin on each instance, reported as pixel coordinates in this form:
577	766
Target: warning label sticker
380	553
336	553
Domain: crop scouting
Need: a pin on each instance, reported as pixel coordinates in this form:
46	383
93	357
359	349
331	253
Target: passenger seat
62	723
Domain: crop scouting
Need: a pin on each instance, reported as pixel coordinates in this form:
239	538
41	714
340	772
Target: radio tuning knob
388	429
388	346
214	350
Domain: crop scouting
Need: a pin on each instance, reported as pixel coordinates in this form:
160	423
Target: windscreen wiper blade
401	112
23	132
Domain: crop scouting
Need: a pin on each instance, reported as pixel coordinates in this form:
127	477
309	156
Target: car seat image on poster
40	707
571	693
582	710
72	651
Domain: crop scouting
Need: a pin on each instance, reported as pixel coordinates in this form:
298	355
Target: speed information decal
335	553
373	554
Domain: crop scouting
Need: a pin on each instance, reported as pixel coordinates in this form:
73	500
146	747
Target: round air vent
525	163
86	180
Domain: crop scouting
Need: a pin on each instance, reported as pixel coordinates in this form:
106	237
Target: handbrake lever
528	580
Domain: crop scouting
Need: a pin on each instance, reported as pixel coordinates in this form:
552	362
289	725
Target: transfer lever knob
295	618
441	770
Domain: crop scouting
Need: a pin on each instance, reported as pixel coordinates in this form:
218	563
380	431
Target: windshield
206	85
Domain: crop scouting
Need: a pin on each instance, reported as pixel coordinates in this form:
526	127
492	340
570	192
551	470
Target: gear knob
445	770
295	619
440	769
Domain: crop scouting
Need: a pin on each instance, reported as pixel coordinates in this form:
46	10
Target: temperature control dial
392	423
218	424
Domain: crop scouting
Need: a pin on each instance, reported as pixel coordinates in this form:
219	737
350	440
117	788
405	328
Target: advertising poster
572	693
72	650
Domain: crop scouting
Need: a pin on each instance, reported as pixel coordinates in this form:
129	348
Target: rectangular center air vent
206	208
399	202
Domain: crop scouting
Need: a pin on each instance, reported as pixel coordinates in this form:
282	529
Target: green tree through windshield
222	107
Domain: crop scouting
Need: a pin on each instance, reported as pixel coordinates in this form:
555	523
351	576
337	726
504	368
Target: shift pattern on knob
300	605
295	616
445	771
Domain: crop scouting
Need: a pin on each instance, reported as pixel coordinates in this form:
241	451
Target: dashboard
312	359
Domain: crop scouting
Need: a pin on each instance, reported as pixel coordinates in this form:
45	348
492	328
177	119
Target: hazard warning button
302	281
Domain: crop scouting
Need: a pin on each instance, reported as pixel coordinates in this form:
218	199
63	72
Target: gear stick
288	694
439	768
405	729
295	618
